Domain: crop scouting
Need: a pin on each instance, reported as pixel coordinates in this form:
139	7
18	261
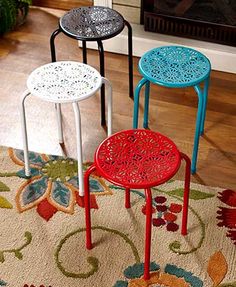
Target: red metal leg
127	198
148	195
186	193
87	206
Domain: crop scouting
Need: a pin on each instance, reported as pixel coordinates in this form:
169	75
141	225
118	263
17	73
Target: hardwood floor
172	111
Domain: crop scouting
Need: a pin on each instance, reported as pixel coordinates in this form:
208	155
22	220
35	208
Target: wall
129	9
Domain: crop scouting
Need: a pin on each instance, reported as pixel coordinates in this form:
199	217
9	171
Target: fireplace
207	20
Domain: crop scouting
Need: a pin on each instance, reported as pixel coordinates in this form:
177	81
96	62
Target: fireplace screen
212	20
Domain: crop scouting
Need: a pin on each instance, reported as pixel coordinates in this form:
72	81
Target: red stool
138	159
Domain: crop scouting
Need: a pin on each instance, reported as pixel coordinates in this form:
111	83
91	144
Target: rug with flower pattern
42	234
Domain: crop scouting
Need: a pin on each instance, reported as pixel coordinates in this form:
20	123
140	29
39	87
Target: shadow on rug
42	235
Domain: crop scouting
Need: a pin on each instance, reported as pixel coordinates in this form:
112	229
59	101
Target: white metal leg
24	132
59	123
79	148
109	105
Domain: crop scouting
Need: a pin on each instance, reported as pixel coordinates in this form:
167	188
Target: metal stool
64	82
95	23
139	159
175	67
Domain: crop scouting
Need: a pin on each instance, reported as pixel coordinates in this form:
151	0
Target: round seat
92	23
137	159
174	66
64	82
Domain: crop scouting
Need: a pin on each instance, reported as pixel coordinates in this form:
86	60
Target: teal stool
175	67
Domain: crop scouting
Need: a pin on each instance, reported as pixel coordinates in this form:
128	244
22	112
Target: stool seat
174	66
137	159
92	23
64	82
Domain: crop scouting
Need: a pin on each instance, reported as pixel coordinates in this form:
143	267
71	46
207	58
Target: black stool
95	23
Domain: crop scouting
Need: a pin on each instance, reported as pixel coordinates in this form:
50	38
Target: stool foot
127	198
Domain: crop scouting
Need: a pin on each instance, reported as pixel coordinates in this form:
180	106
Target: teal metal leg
198	126
146	105
205	95
136	102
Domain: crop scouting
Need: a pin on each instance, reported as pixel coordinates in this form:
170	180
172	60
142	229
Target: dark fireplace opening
207	20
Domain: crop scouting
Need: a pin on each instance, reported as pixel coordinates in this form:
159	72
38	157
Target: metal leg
24	132
79	148
59	123
127	198
109	105
84	52
186	193
52	44
87	207
130	55
198	125
136	102
146	105
205	96
148	195
102	72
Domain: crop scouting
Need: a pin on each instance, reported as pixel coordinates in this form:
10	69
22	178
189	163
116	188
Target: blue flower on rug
172	276
53	184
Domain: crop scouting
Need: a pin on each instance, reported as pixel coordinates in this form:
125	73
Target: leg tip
89	246
193	170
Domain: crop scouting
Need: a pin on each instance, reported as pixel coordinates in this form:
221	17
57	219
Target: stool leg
130	55
52	44
87	207
102	72
109	105
186	193
127	198
198	125
205	96
146	105
24	132
79	148
59	123
84	52
148	195
136	102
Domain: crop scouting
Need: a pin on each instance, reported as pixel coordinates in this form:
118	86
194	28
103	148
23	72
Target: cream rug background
41	250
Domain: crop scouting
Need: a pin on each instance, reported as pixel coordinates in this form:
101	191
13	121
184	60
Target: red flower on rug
166	215
227	215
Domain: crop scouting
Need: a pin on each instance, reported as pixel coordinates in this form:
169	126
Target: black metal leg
52	44
84	52
130	55
102	72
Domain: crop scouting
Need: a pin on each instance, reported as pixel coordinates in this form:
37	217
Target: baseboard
222	57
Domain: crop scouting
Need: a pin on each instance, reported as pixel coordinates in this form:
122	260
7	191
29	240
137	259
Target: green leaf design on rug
194	194
17	251
4	203
4	187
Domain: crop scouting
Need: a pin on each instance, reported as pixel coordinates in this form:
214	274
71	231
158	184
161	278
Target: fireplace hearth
207	20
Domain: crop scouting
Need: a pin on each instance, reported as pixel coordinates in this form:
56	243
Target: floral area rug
42	234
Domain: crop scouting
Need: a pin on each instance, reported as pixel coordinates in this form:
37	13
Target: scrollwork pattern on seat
174	66
138	157
91	23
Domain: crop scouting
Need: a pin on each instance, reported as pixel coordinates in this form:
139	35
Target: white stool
65	82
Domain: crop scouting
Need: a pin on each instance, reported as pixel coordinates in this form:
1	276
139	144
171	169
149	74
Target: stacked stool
139	159
175	67
59	83
95	23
